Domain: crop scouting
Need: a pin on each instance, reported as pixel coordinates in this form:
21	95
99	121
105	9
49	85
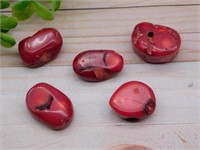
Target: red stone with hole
97	65
155	43
41	48
49	105
133	100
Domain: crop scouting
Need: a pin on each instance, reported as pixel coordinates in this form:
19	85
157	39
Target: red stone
155	43
133	100
97	65
41	48
49	105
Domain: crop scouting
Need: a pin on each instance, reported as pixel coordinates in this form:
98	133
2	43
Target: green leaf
43	11
23	10
4	4
3	16
8	23
55	5
6	40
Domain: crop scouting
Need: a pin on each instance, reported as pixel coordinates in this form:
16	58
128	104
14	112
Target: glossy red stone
41	48
97	65
49	105
155	43
133	100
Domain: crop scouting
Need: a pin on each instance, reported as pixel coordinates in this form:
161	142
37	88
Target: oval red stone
155	43
40	48
49	105
97	65
133	100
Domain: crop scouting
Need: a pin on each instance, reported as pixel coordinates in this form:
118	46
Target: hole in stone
150	34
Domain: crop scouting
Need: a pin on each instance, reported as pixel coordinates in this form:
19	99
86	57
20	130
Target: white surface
175	124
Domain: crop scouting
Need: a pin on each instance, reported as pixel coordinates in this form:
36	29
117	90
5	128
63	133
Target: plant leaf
4	4
23	10
43	11
6	40
8	23
55	5
3	16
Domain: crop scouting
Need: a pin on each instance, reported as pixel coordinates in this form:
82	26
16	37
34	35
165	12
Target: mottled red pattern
155	43
133	100
97	65
41	48
49	105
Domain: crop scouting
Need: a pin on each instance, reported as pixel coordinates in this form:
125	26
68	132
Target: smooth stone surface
133	100
49	105
41	48
97	65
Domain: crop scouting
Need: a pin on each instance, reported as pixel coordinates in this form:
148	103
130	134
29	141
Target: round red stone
155	43
49	105
97	65
133	100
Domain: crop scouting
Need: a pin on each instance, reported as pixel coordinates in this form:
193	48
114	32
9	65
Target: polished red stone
133	100
49	105
97	65
41	48
155	43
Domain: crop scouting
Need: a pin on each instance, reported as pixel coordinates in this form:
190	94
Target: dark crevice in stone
149	107
46	105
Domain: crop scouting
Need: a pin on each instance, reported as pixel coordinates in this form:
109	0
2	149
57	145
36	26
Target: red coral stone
41	48
49	105
155	43
97	65
133	100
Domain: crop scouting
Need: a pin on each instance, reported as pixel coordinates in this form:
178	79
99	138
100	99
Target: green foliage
55	5
23	10
42	11
6	40
4	4
8	23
